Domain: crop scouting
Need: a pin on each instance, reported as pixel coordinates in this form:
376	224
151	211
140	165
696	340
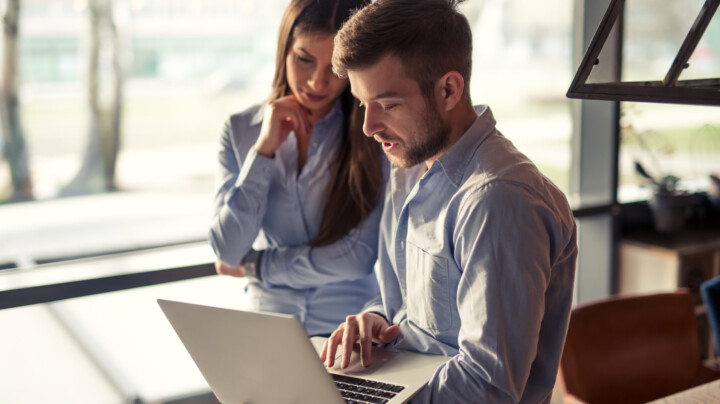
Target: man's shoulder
500	174
497	159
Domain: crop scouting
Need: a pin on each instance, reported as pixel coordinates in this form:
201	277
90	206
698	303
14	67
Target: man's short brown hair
430	37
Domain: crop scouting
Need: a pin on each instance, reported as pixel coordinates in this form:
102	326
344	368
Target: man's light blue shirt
265	202
477	261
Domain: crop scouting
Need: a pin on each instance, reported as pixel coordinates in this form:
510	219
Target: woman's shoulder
251	116
243	128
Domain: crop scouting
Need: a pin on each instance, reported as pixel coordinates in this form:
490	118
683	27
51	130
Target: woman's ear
451	87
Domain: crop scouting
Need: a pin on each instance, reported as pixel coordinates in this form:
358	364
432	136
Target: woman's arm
351	257
240	200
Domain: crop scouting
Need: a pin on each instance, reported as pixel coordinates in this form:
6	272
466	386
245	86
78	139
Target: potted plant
671	207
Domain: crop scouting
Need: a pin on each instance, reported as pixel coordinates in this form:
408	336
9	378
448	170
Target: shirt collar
458	156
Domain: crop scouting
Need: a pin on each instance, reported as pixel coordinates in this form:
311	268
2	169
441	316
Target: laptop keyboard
356	390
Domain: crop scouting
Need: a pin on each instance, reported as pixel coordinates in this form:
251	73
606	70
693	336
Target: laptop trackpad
395	364
379	358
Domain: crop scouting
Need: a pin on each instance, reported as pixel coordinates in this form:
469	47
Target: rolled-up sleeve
350	258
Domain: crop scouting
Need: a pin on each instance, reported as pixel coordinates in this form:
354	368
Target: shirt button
402	245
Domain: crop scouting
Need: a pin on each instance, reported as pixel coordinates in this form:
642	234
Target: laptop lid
249	357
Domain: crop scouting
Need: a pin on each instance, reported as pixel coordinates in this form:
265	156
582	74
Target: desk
703	394
118	344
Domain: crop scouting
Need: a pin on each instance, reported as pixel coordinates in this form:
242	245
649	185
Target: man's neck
460	119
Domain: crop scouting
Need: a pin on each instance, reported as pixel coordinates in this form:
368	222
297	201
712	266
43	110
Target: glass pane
187	66
667	140
678	140
654	32
522	69
705	61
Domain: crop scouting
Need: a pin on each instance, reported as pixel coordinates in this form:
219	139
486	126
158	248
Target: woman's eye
303	60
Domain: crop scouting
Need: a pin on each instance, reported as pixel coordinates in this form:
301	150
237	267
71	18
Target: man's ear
450	87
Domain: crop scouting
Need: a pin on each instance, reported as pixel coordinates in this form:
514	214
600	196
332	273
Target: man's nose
372	123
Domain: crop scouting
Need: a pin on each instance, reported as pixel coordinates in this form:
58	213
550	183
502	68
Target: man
477	248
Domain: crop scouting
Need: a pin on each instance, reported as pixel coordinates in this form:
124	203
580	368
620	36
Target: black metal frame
87	287
670	90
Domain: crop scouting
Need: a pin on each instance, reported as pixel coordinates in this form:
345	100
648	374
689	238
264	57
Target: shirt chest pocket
428	296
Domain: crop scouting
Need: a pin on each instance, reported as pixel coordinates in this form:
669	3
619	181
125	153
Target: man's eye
389	107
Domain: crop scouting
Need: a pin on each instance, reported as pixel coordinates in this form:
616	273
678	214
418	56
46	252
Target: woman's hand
225	269
282	116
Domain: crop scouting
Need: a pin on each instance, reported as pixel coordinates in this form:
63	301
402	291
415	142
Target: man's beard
433	141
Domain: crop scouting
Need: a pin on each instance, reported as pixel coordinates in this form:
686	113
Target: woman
301	182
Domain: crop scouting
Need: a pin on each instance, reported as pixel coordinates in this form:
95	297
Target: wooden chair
632	349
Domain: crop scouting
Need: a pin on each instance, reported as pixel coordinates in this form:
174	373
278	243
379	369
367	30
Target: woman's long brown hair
356	181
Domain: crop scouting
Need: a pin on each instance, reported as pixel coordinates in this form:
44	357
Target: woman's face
309	73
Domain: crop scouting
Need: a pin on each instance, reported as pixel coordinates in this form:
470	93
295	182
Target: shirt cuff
377	308
380	314
251	262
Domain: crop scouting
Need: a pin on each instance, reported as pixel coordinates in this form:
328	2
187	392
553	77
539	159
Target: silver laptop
260	358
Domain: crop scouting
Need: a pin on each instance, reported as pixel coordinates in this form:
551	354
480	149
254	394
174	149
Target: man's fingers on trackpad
354	356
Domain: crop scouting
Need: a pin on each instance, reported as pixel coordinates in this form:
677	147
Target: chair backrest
710	292
631	349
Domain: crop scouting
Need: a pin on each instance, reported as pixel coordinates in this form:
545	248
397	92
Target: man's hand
363	328
225	269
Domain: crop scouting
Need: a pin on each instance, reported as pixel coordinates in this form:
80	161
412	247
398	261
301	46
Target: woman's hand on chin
282	116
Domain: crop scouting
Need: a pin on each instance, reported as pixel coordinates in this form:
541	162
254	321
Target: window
189	64
667	139
522	68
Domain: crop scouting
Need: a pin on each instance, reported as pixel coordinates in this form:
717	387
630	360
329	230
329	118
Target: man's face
410	128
